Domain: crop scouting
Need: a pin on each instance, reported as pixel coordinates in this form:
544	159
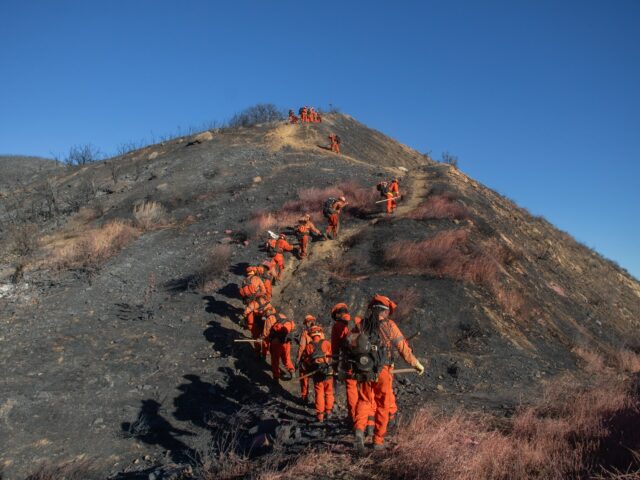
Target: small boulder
152	155
203	137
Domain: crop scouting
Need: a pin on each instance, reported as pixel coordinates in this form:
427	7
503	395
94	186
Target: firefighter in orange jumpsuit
304	340
339	332
304	117
277	247
292	117
335	142
318	117
304	228
317	358
379	387
253	319
270	274
277	331
334	217
252	286
393	192
263	273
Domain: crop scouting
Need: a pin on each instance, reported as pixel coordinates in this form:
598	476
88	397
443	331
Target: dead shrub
216	263
452	254
95	245
86	215
593	362
149	215
24	239
438	207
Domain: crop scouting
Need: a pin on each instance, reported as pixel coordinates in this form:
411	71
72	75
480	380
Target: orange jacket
317	352
305	339
340	331
339	205
305	228
394	188
255	306
392	338
283	246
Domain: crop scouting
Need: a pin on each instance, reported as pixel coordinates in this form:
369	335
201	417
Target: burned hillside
118	322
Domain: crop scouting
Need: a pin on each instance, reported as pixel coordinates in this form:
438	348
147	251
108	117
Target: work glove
419	368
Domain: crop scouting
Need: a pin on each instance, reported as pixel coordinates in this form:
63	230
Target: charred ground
129	355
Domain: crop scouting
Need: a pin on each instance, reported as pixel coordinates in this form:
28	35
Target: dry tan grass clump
440	207
95	245
150	215
452	254
68	471
628	361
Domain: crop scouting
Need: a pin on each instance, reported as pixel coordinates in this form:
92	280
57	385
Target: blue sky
539	99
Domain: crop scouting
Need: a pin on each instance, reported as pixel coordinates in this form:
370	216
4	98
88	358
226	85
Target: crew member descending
292	117
317	359
389	191
331	210
303	341
303	230
371	350
276	248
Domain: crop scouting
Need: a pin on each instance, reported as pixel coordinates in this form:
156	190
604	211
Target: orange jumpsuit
292	117
392	194
381	391
303	231
316	353
276	331
254	323
304	117
334	219
281	246
339	333
305	339
271	272
335	146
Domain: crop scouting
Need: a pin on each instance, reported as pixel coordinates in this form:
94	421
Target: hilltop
117	328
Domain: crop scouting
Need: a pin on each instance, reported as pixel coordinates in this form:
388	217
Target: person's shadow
152	428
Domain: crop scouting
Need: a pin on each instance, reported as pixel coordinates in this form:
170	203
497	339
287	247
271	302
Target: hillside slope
130	353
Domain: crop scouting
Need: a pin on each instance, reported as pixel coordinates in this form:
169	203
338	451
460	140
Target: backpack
338	141
383	188
272	249
366	354
318	359
327	207
248	289
279	332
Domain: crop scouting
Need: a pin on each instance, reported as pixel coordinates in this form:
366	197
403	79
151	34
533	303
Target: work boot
370	430
328	414
378	447
358	443
392	422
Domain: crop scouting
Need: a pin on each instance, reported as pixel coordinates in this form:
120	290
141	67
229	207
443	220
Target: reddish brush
451	254
439	207
407	301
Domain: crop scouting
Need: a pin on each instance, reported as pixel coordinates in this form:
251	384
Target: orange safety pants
335	147
304	386
268	287
256	333
352	397
304	241
334	225
393	409
391	203
380	392
323	391
280	352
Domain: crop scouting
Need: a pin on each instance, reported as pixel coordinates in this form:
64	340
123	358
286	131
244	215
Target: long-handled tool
247	340
404	370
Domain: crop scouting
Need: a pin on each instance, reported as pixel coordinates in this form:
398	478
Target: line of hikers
306	115
360	351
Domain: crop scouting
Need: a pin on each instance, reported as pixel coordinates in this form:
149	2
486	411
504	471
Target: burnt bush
82	155
261	113
24	239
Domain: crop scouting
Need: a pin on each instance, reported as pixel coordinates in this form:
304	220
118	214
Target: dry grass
572	433
452	254
150	215
593	362
628	361
94	246
440	207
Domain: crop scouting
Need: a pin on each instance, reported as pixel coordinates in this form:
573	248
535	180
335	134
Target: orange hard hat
269	309
316	330
338	310
251	270
380	301
309	319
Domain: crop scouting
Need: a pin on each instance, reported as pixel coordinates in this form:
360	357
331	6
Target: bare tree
449	159
82	155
